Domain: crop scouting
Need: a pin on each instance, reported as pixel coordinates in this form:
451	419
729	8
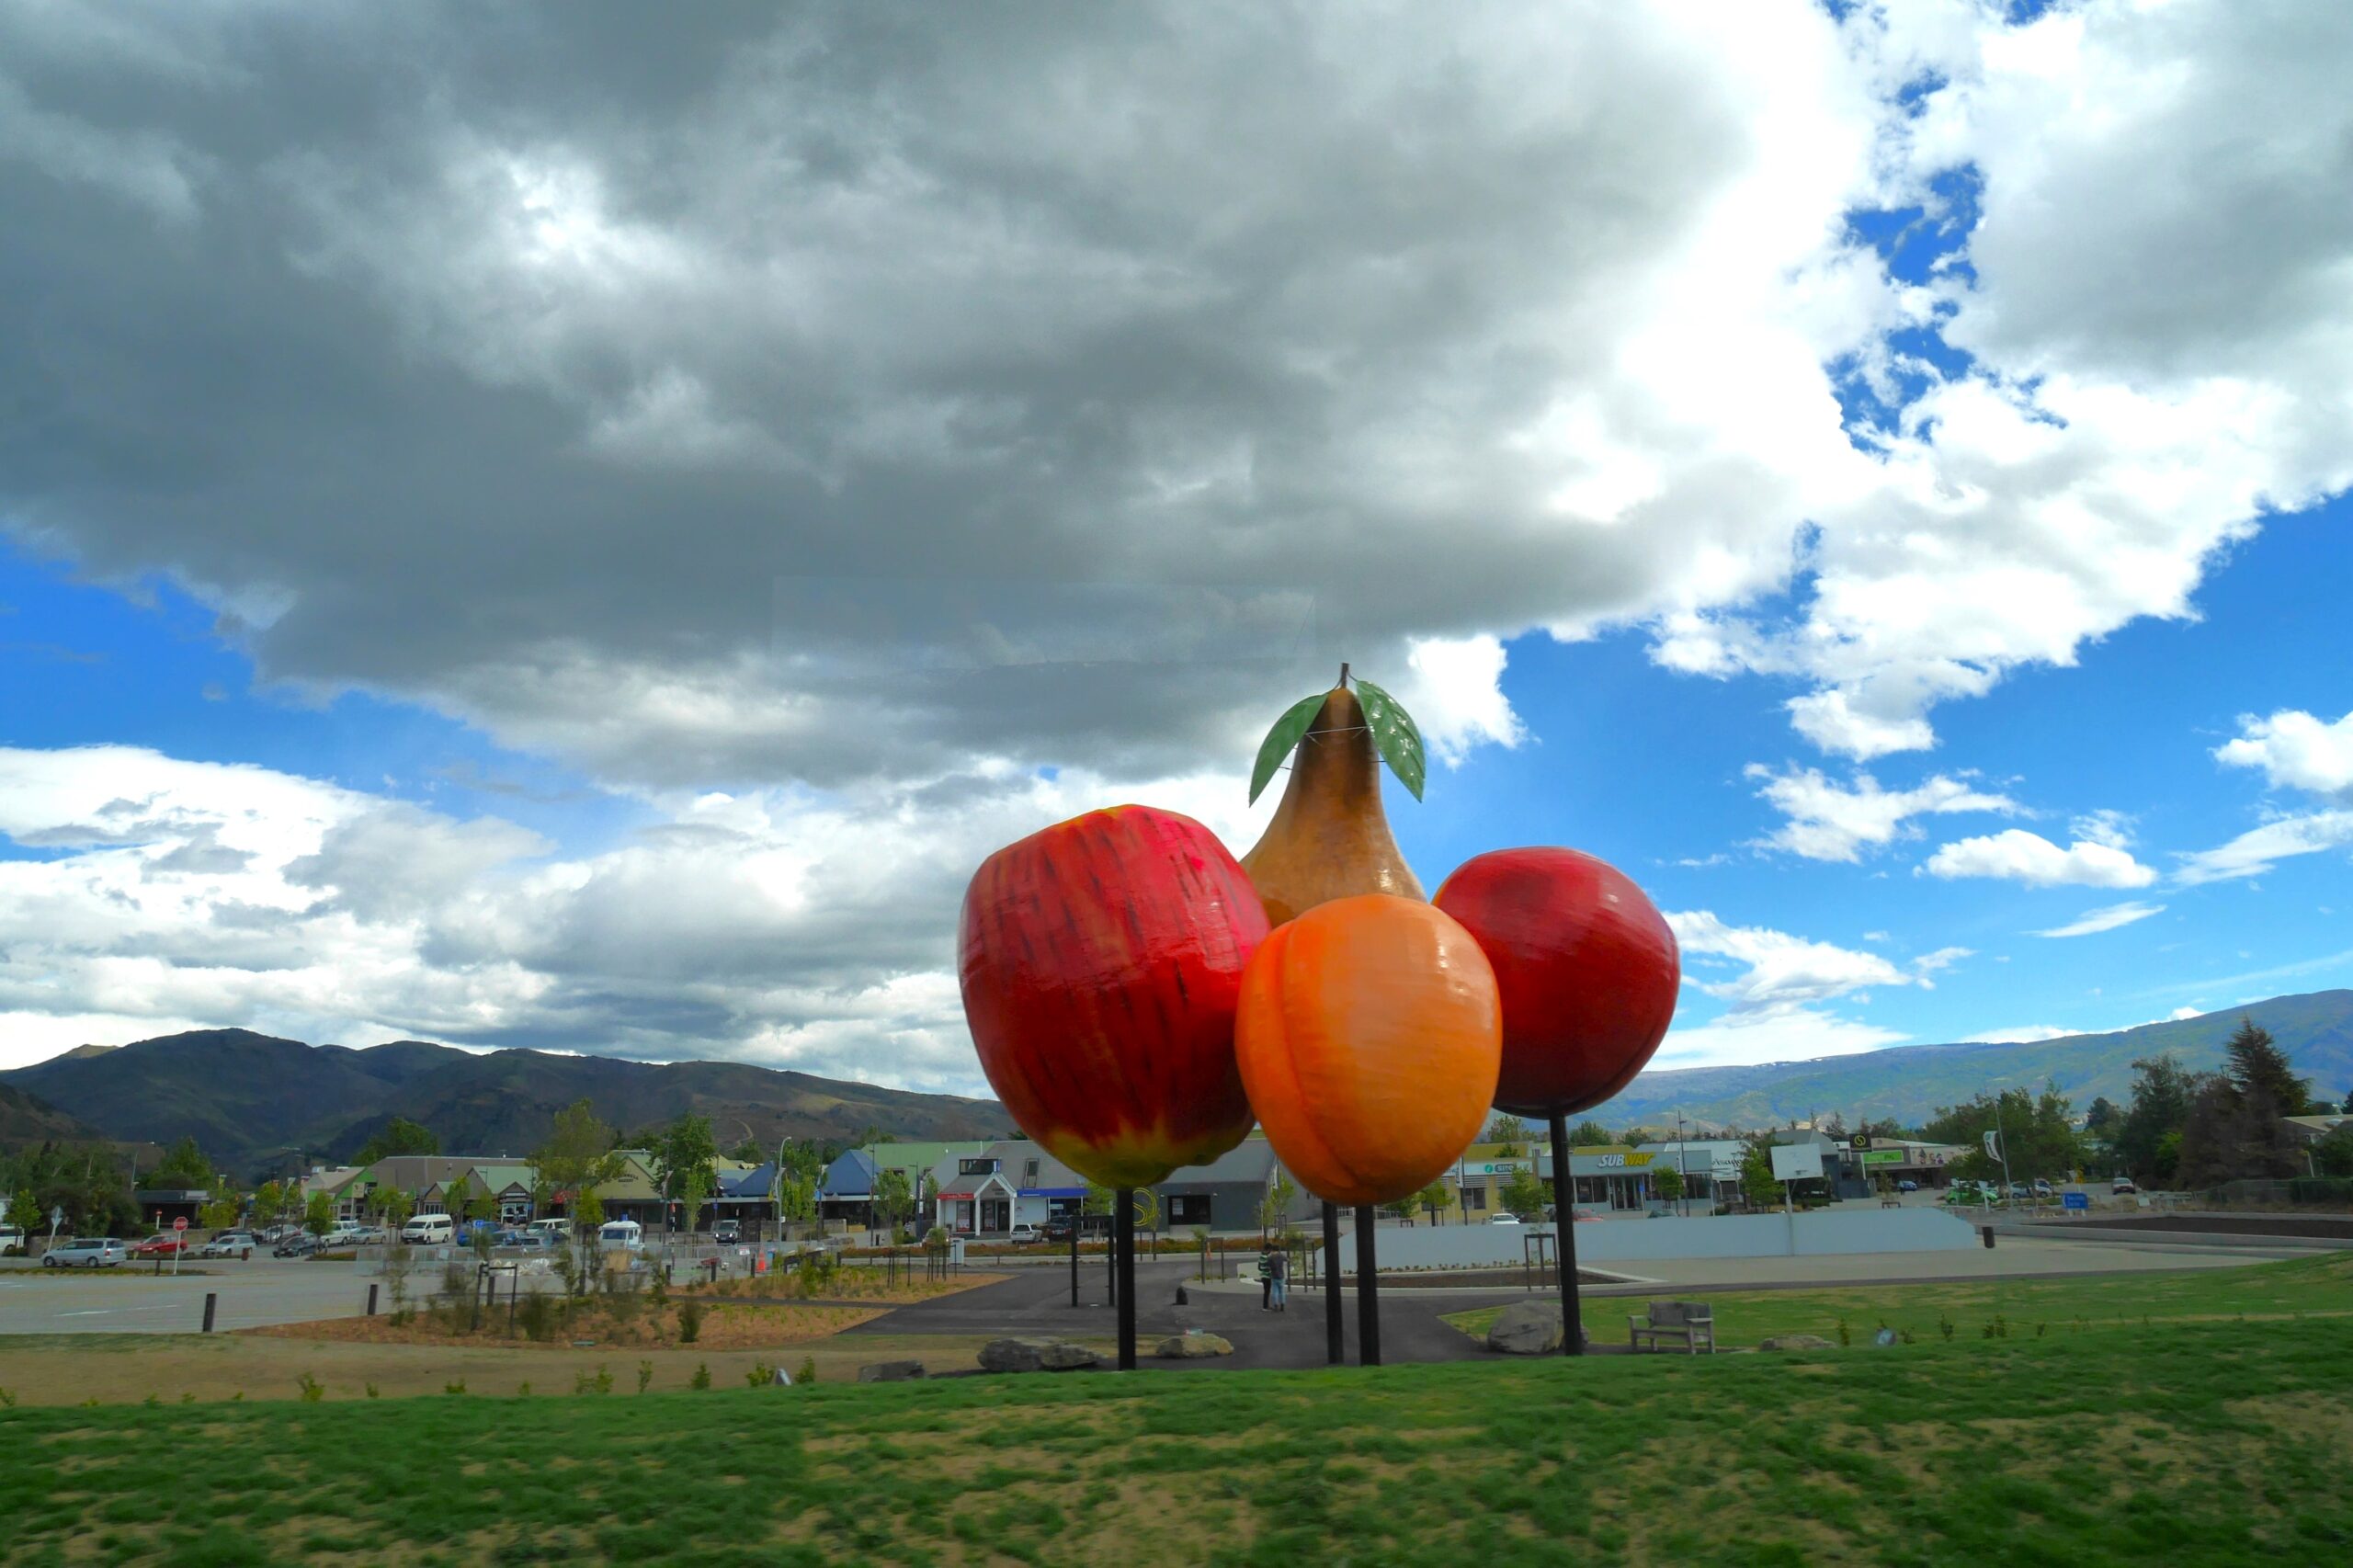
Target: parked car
727	1232
298	1245
2122	1185
163	1243
1907	1185
1024	1234
2020	1192
11	1240
530	1241
85	1252
2043	1188
1056	1230
1506	1218
230	1243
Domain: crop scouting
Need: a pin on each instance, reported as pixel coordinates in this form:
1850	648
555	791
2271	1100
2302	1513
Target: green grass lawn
2214	1443
2302	1287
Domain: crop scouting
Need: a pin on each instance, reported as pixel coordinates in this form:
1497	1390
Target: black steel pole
1076	1220
1336	1349
1367	1290
1123	1241
1564	1224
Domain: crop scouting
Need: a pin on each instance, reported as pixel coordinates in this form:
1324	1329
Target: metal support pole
1336	1349
371	1301
1124	1242
1564	1226
1367	1290
1074	1221
210	1301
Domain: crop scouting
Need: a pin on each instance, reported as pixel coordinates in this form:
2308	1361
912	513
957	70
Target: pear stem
1344	673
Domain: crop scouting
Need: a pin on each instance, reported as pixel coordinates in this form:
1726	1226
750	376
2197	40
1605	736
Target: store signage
1882	1156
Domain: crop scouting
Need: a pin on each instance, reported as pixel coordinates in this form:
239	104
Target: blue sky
577	537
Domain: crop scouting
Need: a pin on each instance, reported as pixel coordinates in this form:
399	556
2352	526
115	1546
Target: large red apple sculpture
1586	965
1101	960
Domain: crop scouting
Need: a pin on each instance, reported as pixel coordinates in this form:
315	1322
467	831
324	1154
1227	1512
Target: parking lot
135	1300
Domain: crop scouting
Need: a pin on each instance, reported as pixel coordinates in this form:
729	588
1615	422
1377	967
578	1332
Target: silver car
85	1252
230	1243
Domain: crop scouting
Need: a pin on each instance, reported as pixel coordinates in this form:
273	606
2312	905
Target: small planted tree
318	1214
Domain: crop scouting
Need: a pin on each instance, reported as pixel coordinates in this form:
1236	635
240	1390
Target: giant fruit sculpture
1369	1036
1586	966
1101	960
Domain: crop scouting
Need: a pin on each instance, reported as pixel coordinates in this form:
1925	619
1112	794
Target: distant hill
255	1101
1910	1083
25	1117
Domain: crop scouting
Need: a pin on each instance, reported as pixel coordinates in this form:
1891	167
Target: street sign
180	1223
56	1216
2074	1200
1861	1141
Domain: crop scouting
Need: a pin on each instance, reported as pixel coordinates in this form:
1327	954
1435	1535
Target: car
298	1245
2122	1185
85	1252
2044	1189
11	1240
230	1243
1057	1230
1024	1234
1907	1185
727	1232
163	1243
1506	1218
2020	1192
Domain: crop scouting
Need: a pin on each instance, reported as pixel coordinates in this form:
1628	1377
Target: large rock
1035	1354
1795	1342
1191	1347
889	1372
1528	1328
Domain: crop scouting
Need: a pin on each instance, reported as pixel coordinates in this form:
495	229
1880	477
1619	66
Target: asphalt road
133	1300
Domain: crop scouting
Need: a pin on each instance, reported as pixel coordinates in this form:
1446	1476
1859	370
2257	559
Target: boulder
1035	1354
1527	1328
889	1372
1192	1347
1795	1341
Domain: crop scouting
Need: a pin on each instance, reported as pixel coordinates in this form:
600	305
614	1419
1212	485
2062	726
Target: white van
429	1229
622	1234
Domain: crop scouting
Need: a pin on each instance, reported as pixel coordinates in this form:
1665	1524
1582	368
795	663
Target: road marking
91	1312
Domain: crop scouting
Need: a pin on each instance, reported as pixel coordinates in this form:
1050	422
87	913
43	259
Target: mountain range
261	1104
1912	1083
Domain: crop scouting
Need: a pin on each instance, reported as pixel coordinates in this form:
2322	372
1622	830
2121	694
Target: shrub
536	1314
690	1321
1844	1337
313	1390
598	1382
644	1375
701	1379
371	1389
760	1375
1944	1325
523	1389
458	1387
7	1400
807	1372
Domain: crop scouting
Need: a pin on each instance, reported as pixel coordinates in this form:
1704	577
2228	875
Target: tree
2146	1141
1274	1205
398	1136
578	1155
2332	1155
184	1168
748	1152
219	1214
318	1214
1668	1182
1590	1134
2103	1117
1757	1183
694	1186
1095	1198
2258	1066
1506	1129
392	1206
891	1201
454	1199
1523	1194
686	1146
1433	1199
2038	1132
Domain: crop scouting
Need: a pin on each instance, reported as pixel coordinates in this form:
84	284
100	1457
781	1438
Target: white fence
1820	1233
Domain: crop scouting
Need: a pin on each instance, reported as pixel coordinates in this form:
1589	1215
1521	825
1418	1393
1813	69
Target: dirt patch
724	1325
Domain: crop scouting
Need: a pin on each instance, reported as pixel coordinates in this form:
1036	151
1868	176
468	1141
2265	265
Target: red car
163	1244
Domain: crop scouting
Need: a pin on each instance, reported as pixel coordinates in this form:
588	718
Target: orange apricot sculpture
1370	1034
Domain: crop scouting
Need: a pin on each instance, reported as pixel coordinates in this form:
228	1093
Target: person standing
1265	1278
1279	1286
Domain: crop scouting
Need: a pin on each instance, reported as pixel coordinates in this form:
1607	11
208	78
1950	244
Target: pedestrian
1266	1279
1279	1286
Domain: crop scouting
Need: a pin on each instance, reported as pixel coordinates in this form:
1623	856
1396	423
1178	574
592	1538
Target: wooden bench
1694	1323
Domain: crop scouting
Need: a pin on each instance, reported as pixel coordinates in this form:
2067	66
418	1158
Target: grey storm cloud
723	393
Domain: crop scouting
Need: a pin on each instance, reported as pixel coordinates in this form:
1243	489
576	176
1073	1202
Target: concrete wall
1822	1232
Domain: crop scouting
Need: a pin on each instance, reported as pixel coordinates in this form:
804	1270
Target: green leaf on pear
1281	739
1393	732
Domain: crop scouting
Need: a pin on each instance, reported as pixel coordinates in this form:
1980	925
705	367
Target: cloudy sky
579	525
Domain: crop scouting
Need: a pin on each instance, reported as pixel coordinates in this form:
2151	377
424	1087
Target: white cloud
2109	917
2023	1034
2030	858
1928	964
2181	1013
1798	1034
1830	822
2255	851
2295	751
1781	971
1455	695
